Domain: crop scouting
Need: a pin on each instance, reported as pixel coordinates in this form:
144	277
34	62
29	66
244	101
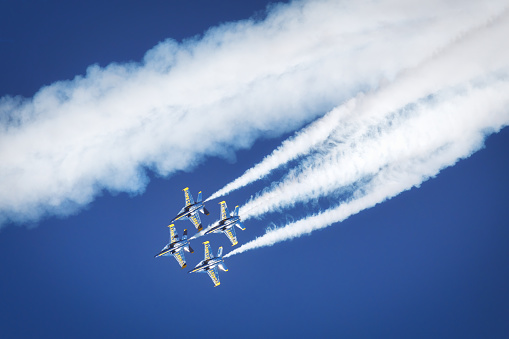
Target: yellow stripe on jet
173	233
163	253
180	260
207	250
188	198
214	278
230	236
223	210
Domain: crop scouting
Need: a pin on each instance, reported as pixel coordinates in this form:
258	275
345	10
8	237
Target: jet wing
189	197
179	255
230	233
173	234
207	250
224	211
214	275
195	219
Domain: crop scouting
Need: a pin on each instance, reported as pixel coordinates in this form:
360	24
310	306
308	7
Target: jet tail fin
220	252
199	197
236	212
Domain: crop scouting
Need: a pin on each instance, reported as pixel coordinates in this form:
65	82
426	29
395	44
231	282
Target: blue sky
428	257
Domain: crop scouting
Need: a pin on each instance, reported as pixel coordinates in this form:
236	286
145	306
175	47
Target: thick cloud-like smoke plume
104	130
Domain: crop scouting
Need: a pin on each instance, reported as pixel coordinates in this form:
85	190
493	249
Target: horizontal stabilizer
220	251
190	249
240	225
205	211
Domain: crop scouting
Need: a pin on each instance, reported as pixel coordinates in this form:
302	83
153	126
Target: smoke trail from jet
209	96
292	148
375	139
408	143
484	111
312	137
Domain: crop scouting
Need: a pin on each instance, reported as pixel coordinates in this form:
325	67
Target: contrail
410	170
210	96
409	143
302	143
311	137
390	133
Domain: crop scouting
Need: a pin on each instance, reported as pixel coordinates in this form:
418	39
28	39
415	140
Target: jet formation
226	224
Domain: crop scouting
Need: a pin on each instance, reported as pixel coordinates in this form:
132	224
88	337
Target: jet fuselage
206	265
173	248
224	224
187	211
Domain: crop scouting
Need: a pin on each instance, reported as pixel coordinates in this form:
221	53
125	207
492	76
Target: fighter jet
176	247
210	264
190	210
226	223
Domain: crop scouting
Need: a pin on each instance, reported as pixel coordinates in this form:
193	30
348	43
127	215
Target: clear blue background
431	263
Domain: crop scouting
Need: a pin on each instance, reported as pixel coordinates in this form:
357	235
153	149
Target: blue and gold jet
227	223
191	209
176	247
210	264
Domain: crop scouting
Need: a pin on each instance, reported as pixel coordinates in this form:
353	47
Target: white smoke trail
469	117
311	137
385	135
303	142
243	80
